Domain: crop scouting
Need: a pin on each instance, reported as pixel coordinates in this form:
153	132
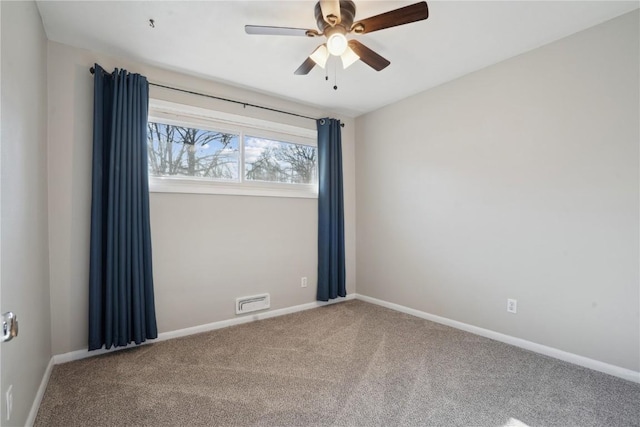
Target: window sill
194	186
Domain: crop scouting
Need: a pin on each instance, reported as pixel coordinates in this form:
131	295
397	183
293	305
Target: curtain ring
321	121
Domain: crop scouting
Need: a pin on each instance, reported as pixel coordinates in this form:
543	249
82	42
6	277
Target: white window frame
202	118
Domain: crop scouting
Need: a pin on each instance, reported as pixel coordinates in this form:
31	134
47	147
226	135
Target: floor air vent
252	303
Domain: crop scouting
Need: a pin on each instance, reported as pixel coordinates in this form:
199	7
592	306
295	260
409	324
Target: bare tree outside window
182	151
277	161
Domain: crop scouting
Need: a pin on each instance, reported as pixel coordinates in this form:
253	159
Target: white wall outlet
512	306
303	282
9	398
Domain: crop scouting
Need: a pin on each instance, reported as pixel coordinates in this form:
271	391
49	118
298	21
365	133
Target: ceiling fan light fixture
320	55
348	57
337	44
335	20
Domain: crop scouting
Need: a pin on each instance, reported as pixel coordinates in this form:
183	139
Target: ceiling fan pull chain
335	75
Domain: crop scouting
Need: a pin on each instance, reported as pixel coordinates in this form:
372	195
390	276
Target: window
277	161
193	150
183	151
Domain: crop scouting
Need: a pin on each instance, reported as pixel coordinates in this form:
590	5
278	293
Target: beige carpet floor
347	364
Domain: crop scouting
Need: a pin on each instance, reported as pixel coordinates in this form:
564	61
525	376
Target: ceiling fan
335	19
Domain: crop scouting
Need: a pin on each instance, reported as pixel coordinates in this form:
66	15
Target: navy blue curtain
121	301
331	260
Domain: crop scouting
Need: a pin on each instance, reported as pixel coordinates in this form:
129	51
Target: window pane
182	151
277	161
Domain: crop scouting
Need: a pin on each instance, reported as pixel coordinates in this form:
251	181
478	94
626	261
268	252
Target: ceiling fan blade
279	31
393	18
306	66
368	56
331	11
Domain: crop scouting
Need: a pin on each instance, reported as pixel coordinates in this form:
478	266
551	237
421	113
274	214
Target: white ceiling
207	39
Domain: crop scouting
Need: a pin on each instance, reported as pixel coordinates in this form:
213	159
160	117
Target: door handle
9	326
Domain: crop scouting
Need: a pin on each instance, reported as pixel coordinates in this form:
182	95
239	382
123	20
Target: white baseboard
84	353
31	418
586	362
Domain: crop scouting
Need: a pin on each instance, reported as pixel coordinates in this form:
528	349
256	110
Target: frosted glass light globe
337	44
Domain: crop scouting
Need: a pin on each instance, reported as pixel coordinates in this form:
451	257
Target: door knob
9	326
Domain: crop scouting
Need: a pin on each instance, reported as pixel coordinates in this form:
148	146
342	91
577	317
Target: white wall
207	249
517	181
25	262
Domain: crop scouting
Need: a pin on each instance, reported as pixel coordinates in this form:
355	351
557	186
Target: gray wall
25	263
517	181
207	249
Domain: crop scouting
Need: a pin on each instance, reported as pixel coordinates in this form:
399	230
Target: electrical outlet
303	282
512	306
9	398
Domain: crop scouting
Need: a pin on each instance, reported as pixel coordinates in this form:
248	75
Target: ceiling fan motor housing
347	15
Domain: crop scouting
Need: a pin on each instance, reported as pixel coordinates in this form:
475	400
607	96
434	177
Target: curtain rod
244	104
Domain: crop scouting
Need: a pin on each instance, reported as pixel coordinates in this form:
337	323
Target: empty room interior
320	213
